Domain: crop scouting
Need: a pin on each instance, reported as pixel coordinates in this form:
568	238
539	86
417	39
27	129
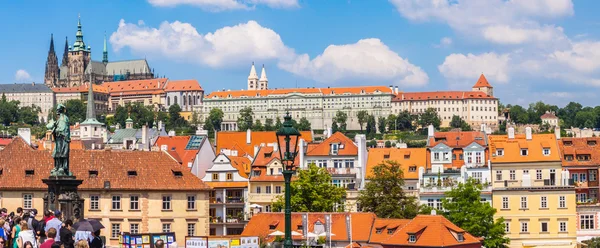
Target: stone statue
62	137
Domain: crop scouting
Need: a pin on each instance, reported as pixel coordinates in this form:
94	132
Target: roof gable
346	146
482	82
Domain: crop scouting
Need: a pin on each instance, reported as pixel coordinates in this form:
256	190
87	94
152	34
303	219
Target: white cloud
444	42
498	21
22	75
368	59
223	5
179	41
468	67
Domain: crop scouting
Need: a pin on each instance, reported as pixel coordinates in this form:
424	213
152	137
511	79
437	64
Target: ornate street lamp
287	141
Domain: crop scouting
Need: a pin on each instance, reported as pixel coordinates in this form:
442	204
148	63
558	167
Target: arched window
184	100
168	101
175	101
189	99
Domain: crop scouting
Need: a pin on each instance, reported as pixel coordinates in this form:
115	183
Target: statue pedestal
62	195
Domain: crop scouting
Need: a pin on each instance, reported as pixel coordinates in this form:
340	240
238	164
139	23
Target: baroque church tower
79	58
52	72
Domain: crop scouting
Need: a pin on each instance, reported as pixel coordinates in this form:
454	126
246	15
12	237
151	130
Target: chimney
329	132
25	134
248	136
511	133
396	90
528	133
430	131
144	135
433	212
361	143
301	153
160	125
557	132
392	88
163	148
104	135
171	133
201	131
483	127
255	151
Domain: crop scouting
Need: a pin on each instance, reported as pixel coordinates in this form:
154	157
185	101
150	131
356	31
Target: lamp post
287	141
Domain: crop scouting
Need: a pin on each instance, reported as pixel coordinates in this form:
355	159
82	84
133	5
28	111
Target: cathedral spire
51	43
263	75
79	44
65	58
105	52
253	74
91	113
52	71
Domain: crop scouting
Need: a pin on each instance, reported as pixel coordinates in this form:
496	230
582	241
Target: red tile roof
441	95
548	115
237	140
242	164
406	157
177	144
146	86
482	82
324	148
580	146
183	85
81	89
155	170
320	91
457	139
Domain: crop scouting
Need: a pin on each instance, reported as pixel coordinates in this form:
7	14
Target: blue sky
529	50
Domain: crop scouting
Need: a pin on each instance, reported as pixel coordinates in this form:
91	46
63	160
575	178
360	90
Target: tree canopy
458	122
429	117
341	118
313	192
245	121
362	117
383	193
303	125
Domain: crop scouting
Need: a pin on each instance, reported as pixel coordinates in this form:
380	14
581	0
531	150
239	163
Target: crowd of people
23	229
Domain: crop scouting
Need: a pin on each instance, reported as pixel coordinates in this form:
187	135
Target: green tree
313	192
429	117
593	242
519	115
175	119
585	119
215	118
245	121
278	123
334	127
9	111
29	115
258	126
383	194
464	208
391	122
76	110
388	144
140	114
405	120
303	125
362	117
269	125
341	118
195	119
458	122
381	124
371	125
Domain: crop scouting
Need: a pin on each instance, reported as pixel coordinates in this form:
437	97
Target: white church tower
263	82
253	79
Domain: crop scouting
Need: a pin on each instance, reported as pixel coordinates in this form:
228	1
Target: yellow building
128	191
266	180
531	191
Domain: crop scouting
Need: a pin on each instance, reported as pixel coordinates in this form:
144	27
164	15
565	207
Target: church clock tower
79	58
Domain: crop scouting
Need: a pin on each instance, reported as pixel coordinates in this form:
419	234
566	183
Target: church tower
483	86
104	52
253	79
91	129
65	58
79	58
263	82
52	71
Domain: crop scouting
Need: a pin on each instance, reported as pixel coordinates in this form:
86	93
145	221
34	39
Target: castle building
77	65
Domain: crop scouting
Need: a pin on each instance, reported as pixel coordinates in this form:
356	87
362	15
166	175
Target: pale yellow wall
150	217
532	168
534	215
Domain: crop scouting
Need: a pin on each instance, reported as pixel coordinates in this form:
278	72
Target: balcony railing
342	171
264	197
228	200
240	219
430	172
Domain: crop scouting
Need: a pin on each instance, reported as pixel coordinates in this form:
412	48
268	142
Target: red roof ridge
482	82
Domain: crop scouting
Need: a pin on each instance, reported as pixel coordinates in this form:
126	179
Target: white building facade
33	94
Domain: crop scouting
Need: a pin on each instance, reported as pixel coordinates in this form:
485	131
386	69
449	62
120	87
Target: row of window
268	190
562	226
524	152
134	202
562	203
513	176
134	228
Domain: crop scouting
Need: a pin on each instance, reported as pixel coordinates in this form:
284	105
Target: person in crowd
3	233
28	245
26	235
82	244
3	242
32	223
54	222
15	231
66	235
96	241
20	212
159	244
58	244
51	234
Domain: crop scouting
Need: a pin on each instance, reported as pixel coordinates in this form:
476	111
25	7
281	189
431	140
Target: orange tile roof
548	115
324	148
155	170
457	139
512	148
320	91
228	184
430	231
580	146
383	225
440	95
139	86
183	85
241	164
237	140
177	144
259	225
482	82
81	89
73	145
416	157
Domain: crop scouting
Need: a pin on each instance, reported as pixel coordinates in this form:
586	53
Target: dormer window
412	238
406	156
524	152
391	230
500	152
334	148
93	173
546	151
386	156
569	157
460	237
29	172
591	142
412	169
379	230
568	143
